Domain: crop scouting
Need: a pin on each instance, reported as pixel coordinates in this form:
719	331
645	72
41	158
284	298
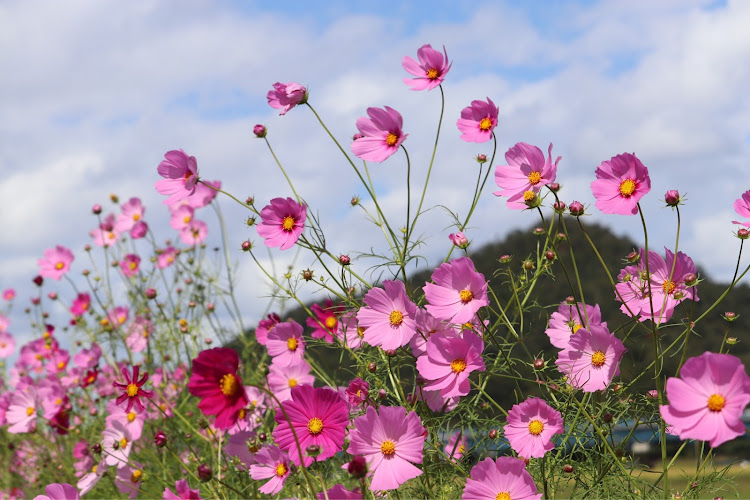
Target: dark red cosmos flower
132	388
216	382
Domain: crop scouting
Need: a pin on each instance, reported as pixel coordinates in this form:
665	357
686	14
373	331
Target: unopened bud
492	434
372	367
691	279
246	246
528	265
504	259
357	467
539	231
567	468
570	300
307	275
538	363
150	293
204	472
260	131
549	255
96	209
559	206
731	340
481	158
313	450
576	209
354	201
160	439
743	233
554	187
250	200
345	260
113	197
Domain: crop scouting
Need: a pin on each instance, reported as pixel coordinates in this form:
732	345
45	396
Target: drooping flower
265	326
449	362
531	426
357	391
180	173
457	293
283	221
325	316
285	344
478	121
59	491
620	183
707	401
742	207
502	479
281	381
184	492
132	389
318	417
56	262
459	239
273	464
216	382
129	265
431	69
285	96
388	316
592	358
527	171
383	134
570	318
392	441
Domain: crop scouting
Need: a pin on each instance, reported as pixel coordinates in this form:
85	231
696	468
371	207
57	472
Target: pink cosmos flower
128	479
457	293
88	481
391	441
318	416
180	173
456	446
195	233
88	358
239	445
707	401
129	265
591	359
388	316
138	333
383	134
427	324
459	239
56	262
531	426
570	318
117	443
184	492
357	391
500	479
117	317
7	344
204	194
282	222
132	421
265	326
285	96
281	381
478	121
526	172
182	217
272	464
431	69
449	362
59	491
742	207
325	316
166	258
349	332
216	382
131	213
338	492
22	411
9	294
285	344
620	183
132	389
80	304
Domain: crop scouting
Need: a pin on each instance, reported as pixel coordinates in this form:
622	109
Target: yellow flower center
59	265
229	385
242	413
461	449
136	476
30	411
133	265
715	402
458	365
466	296
315	426
288	223
388	448
132	390
391	139
61	365
360	332
93	469
575	327
529	195
292	344
58	401
292	382
668	286
123	442
536	427
281	470
187	219
627	187
432	73
598	358
503	495
535	177
396	318
136	217
131	416
330	322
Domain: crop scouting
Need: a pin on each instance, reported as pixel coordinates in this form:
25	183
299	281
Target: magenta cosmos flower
531	426
184	492
742	207
324	324
129	265
382	133
285	96
59	491
388	316
391	441
56	262
282	222
216	382
526	172
620	183
503	479
570	318
457	293
265	326
591	359
431	69
272	464
317	416
707	401
132	389
285	344
478	120
180	173
449	361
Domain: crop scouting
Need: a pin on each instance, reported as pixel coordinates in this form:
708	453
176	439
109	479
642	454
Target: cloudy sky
93	93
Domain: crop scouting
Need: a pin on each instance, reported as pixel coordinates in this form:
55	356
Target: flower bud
492	434
576	209
731	340
559	206
554	187
307	275
344	260
96	209
691	279
246	246
743	233
538	363
505	258
313	450
459	239
263	436
357	136
382	394
538	231
607	417
249	201
528	265
354	201
357	467
260	131
150	293
160	439
372	367
672	198
481	158
204	472
390	352
38	280
52	295
562	236
250	221
97	448
531	199
730	316
570	300
549	255
113	197
567	468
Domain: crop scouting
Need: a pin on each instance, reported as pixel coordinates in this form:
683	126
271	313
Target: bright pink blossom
388	316
184	492
22	411
592	358
383	134
458	291
427	324
88	358
478	121
285	344
620	183
132	389
459	239
80	304
215	381
570	318
357	391
7	344
131	213
392	441
325	316
456	446
526	172
742	207
117	443
285	96
349	332
318	416
195	233
128	479
166	258
180	173
59	491
449	362
132	421
56	262
504	478
282	222
431	69
105	235
182	217
265	326
338	492
707	401
281	381
531	426
272	464
129	265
